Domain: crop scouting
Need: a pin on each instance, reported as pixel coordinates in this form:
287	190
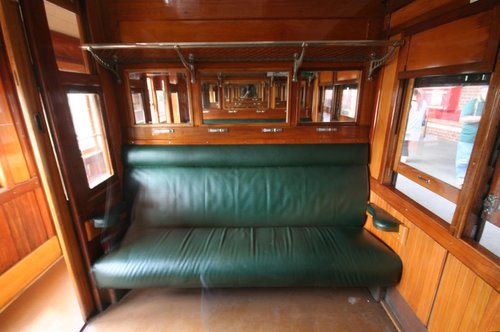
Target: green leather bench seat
249	257
247	216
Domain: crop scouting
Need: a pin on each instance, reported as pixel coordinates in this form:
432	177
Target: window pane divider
427	181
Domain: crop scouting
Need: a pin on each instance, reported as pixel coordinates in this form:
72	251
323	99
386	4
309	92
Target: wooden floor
48	305
244	310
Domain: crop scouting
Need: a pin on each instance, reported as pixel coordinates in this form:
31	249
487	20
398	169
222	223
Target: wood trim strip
427	181
477	173
441	15
479	67
483	264
21	275
18	190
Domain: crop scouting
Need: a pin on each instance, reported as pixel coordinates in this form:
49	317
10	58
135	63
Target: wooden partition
28	243
448	283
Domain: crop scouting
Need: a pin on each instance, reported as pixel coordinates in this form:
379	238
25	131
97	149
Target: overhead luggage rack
111	56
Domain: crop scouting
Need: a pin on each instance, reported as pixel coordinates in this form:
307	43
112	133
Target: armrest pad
110	218
383	220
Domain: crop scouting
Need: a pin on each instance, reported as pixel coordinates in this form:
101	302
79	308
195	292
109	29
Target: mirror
160	97
329	96
250	97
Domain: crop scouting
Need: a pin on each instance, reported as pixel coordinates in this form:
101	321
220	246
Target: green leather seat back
250	185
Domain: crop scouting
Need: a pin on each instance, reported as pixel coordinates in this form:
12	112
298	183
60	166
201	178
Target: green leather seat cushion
248	257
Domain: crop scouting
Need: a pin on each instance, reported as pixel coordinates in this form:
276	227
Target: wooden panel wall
383	117
446	282
25	221
423	261
463	41
464	301
241	20
13	163
419	8
245	30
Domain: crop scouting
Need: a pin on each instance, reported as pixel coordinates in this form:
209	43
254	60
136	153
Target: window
159	97
326	93
329	96
138	105
86	115
3	180
438	129
348	100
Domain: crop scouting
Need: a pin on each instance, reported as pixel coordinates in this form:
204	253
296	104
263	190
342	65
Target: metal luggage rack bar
377	52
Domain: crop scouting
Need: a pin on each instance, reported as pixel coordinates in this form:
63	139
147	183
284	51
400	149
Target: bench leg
378	293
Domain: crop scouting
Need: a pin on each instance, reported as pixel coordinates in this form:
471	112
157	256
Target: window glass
86	115
442	124
438	205
138	105
66	38
348	100
439	126
490	236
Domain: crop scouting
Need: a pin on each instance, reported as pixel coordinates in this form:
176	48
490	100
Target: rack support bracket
298	59
377	63
188	64
112	67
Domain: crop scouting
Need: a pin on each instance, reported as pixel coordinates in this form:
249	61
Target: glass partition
329	96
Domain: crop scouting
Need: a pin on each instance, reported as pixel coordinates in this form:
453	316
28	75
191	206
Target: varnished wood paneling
240	9
423	260
481	263
464	301
43	208
25	223
419	8
249	134
23	273
12	158
69	55
8	252
384	113
460	42
243	30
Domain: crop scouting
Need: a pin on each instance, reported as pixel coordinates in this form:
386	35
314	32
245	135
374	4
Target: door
74	98
28	242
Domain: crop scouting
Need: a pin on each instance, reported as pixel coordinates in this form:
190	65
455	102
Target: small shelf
111	56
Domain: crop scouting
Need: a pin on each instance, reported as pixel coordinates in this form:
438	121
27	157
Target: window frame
468	204
421	178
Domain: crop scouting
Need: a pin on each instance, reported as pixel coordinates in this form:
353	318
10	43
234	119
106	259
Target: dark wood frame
54	84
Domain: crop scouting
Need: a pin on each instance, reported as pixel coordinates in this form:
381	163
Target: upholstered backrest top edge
271	155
